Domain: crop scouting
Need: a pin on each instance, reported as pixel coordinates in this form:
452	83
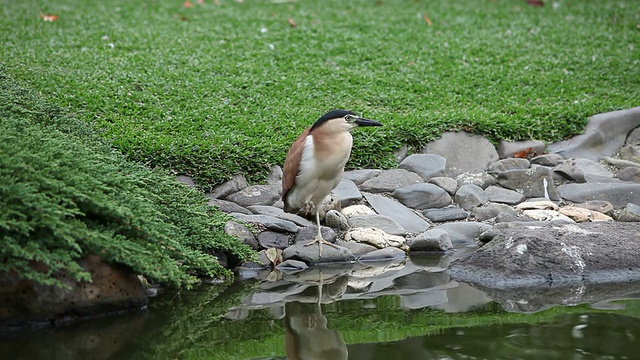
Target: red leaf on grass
48	17
535	2
188	4
291	22
426	18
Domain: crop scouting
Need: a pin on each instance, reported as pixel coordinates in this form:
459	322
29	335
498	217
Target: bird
315	163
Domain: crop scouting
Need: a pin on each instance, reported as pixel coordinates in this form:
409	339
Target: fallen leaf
426	18
188	4
49	17
527	153
291	22
535	2
200	1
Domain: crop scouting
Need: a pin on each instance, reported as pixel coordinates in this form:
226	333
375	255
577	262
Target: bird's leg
319	239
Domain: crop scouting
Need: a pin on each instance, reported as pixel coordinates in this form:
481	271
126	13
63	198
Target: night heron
315	163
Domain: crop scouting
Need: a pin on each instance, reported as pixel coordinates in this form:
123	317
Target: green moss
66	194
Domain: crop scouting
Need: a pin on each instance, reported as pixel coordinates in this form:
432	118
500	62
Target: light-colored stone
404	216
336	220
356	210
376	237
537	205
579	214
383	222
547	215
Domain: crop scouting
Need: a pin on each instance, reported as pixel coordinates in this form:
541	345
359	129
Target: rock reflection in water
307	336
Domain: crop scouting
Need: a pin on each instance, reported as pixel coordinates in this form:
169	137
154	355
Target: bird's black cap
333	114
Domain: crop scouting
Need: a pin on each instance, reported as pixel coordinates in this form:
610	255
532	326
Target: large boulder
548	255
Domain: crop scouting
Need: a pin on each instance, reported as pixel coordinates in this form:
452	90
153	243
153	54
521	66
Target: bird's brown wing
291	164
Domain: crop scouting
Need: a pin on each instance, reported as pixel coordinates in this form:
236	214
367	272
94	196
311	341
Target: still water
397	310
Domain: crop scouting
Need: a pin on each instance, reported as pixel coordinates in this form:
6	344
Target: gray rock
569	171
256	195
508	164
269	222
464	152
228	206
501	195
619	195
431	240
309	233
237	183
618	163
279	213
270	239
464	232
401	153
357	248
603	135
469	196
592	170
422	196
241	232
425	165
336	219
292	266
187	180
275	176
310	255
404	216
361	175
481	179
534	182
630	153
547	160
508	217
507	149
347	192
386	254
445	214
450	185
630	173
630	213
491	210
381	222
389	180
604	207
554	255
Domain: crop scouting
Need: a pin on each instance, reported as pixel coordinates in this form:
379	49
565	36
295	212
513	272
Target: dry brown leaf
535	2
291	22
188	4
49	17
527	153
426	18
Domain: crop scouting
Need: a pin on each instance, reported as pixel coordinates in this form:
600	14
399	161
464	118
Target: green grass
205	91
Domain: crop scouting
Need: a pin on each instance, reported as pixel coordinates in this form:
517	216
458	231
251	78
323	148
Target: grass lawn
214	90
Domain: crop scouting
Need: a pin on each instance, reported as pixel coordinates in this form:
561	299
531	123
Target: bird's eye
350	118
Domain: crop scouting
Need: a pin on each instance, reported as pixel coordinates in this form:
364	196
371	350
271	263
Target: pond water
397	310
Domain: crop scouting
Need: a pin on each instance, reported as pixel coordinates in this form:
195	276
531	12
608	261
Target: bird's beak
367	122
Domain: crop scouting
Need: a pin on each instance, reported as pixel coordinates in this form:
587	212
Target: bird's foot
320	241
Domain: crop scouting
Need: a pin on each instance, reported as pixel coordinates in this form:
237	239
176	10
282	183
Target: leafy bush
65	194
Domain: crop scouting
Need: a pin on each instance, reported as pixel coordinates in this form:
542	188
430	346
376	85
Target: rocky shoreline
463	191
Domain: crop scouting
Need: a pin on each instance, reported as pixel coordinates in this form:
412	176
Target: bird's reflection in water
307	336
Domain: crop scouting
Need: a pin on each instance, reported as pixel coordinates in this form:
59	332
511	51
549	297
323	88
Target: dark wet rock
270	239
279	213
550	160
450	185
310	254
554	255
347	192
445	214
361	175
256	195
336	220
187	180
292	266
390	253
228	206
389	180
269	222
381	222
507	149
630	173
491	210
425	165
534	182
422	196
630	213
470	196
113	288
402	215
508	164
481	179
237	183
501	195
569	171
464	232
431	240
463	152
241	232
619	195
310	232
603	135
356	248
604	207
